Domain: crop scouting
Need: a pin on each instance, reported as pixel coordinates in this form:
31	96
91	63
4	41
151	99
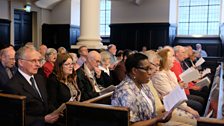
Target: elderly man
202	53
193	92
113	59
90	78
7	65
28	83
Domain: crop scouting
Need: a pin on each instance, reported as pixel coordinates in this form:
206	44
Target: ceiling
46	4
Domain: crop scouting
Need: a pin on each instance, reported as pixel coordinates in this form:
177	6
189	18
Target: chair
12	110
90	114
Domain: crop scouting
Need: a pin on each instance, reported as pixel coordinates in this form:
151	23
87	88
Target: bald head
93	59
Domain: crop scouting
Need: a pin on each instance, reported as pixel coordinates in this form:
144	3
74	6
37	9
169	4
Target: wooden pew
102	99
12	110
216	94
91	114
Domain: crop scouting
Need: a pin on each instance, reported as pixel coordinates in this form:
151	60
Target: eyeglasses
155	65
69	64
146	69
33	61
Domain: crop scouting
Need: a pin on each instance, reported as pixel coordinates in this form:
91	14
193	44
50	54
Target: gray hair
152	55
50	51
21	52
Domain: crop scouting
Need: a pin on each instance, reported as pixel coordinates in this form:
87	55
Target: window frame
188	22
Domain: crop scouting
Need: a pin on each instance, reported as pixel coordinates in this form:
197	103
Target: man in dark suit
90	79
7	64
28	83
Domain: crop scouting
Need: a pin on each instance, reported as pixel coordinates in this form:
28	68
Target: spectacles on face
33	61
68	64
145	69
155	65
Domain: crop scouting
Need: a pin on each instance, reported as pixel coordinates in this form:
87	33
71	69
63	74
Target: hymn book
172	100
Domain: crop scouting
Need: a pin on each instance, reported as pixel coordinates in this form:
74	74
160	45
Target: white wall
75	12
173	11
149	11
4	9
61	13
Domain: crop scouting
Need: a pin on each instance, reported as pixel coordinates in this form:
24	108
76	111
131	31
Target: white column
90	24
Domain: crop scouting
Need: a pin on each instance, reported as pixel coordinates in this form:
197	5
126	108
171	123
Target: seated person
7	64
61	84
90	79
202	53
133	92
177	118
27	82
165	81
50	56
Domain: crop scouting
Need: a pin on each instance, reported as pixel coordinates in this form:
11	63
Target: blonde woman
165	81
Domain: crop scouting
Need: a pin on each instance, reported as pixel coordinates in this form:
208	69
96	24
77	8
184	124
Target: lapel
27	87
2	70
41	86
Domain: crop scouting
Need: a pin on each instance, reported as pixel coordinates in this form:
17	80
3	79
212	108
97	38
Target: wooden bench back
89	114
12	110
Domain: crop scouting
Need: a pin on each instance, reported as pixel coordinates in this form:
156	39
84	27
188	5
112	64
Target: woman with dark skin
133	92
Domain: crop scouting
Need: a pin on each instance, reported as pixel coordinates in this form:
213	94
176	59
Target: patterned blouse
129	95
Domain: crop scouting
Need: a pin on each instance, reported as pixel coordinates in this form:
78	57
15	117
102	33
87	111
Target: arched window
105	9
199	17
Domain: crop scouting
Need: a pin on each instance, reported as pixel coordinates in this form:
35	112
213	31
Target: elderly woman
165	81
50	56
105	62
61	84
133	92
176	119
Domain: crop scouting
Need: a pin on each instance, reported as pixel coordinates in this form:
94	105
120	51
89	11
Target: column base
89	45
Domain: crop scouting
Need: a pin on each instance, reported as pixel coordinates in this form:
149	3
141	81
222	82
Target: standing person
51	56
61	84
134	93
28	83
7	65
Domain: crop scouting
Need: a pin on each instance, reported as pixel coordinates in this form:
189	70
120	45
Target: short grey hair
50	51
21	52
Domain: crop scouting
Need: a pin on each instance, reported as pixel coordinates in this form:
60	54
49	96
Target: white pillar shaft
90	24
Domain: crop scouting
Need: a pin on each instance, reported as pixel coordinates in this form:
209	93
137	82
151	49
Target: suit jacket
4	78
36	108
85	86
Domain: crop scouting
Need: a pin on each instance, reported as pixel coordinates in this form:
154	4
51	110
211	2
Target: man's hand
51	118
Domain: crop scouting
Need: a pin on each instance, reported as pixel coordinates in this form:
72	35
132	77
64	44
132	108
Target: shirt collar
26	76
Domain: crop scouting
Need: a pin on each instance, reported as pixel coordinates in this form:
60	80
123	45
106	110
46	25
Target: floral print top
127	94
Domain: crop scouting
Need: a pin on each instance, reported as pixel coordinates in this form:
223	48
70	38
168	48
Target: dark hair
58	70
133	60
126	53
120	53
79	50
4	46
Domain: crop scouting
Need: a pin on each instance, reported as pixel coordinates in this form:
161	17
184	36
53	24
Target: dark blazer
4	78
58	92
36	109
87	91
